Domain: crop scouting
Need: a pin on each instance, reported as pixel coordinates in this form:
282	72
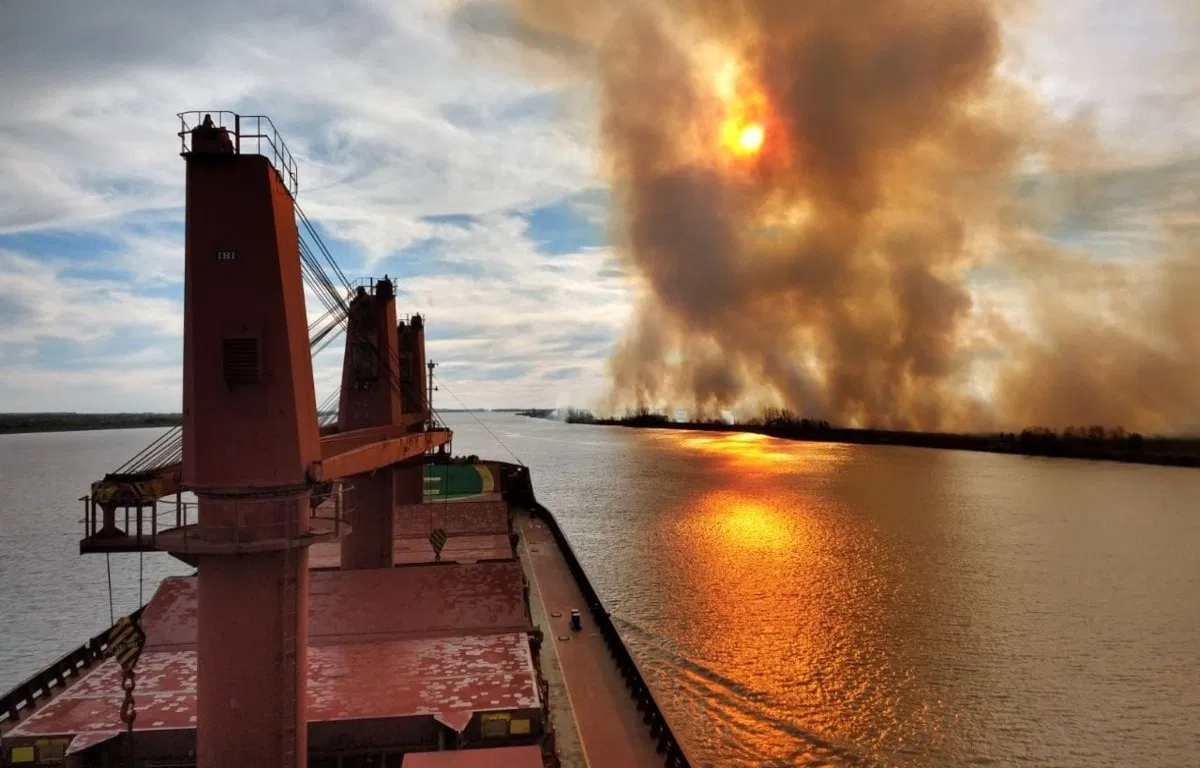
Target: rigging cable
167	448
328	257
442	384
112	619
140	455
326	412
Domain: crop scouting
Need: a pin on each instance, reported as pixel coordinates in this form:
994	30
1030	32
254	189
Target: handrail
24	697
258	128
179	520
368	284
638	689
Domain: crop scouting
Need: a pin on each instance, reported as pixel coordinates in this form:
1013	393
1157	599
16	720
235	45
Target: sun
751	138
742	131
741	137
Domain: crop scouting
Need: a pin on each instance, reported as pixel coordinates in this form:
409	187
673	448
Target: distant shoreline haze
1090	442
13	423
1112	444
19	423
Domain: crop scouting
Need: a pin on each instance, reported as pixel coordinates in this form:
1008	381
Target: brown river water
795	604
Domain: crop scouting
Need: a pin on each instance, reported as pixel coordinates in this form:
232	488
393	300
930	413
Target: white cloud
388	117
1133	67
46	305
393	117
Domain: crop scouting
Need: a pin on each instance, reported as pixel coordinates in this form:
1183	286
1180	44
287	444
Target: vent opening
240	362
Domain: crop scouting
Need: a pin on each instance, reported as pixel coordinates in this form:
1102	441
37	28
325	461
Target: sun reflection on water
744	450
730	520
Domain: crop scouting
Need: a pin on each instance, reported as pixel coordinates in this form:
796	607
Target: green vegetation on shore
1093	442
11	423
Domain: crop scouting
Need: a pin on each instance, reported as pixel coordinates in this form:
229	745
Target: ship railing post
237	133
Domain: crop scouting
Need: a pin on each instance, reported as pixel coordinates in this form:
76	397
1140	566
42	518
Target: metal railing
24	698
251	135
519	489
369	284
180	520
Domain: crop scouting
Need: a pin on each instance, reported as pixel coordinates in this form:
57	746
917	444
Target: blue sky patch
558	229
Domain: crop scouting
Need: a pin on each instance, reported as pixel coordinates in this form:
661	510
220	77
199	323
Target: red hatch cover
504	757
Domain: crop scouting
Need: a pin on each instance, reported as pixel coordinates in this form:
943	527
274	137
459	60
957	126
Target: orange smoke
825	206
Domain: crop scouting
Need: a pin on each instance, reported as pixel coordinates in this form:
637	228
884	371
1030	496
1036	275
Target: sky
425	152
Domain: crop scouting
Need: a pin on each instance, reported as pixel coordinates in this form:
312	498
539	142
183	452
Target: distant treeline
539	413
570	415
1093	442
69	422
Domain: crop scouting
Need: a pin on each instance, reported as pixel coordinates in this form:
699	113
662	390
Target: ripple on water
793	604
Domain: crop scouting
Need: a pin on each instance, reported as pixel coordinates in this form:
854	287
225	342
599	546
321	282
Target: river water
795	603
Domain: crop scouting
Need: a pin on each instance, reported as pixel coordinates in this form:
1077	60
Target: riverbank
19	423
1132	449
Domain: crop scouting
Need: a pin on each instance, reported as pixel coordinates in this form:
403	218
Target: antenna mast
430	389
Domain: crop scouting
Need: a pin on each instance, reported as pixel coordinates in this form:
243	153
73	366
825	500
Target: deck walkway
608	723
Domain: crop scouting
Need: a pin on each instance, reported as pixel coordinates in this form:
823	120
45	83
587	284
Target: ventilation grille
364	359
239	360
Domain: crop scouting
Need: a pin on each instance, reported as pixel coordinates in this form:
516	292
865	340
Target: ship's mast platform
405	659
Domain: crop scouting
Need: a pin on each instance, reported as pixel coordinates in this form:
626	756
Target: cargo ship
361	596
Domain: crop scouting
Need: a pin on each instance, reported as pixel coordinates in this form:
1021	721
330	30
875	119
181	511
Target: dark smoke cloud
830	273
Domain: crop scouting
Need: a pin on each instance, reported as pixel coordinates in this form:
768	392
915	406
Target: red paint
508	757
368	501
459	517
612	732
370	370
259	434
393	643
368	458
370	399
409	485
249	421
450	678
370	604
476	530
416	549
341	442
411	340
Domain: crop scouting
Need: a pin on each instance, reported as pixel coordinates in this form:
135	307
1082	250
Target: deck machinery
324	626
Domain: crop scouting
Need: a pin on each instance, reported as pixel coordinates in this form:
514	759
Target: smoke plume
827	206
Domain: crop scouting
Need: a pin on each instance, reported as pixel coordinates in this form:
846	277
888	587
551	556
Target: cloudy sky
424	152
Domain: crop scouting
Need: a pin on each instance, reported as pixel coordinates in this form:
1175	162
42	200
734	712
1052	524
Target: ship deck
476	530
415	665
435	645
610	730
401	660
512	757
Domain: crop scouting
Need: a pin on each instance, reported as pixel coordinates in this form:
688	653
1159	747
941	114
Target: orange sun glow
742	131
751	138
